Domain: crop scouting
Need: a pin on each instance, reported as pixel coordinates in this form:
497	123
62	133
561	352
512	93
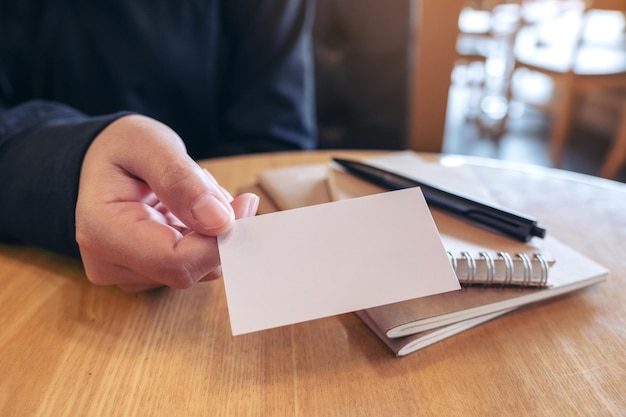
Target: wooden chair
577	69
486	36
616	156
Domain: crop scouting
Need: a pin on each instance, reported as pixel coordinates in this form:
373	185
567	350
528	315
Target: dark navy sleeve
42	145
230	77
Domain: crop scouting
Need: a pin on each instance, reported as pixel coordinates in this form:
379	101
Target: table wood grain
68	348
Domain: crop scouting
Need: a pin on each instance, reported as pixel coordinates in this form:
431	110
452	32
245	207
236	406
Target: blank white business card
303	264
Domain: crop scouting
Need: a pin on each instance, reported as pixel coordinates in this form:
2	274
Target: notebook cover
403	346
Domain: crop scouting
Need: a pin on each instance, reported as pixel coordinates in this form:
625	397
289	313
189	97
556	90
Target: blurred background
535	81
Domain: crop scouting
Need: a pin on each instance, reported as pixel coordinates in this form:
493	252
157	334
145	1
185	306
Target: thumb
156	154
194	197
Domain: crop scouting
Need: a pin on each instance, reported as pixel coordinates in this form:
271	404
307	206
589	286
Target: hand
147	214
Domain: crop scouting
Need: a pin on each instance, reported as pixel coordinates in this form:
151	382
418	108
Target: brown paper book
402	346
291	187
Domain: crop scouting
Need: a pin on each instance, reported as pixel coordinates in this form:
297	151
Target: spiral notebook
566	269
482	257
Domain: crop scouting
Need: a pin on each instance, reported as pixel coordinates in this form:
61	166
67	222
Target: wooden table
68	348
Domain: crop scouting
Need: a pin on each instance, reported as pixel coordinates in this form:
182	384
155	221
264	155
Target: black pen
483	214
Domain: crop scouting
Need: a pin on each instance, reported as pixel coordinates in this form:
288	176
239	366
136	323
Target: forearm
42	146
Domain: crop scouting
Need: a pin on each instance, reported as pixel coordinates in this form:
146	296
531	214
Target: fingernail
253	205
209	175
225	193
211	213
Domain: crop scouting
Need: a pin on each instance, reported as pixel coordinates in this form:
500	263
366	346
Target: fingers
154	153
152	255
245	205
106	273
147	214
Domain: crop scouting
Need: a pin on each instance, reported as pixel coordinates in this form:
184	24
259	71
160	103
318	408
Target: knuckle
81	237
213	274
173	175
84	236
179	275
97	279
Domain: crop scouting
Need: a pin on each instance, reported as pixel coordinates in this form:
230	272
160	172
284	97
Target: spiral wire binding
491	267
509	269
545	267
471	267
528	268
508	264
452	260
